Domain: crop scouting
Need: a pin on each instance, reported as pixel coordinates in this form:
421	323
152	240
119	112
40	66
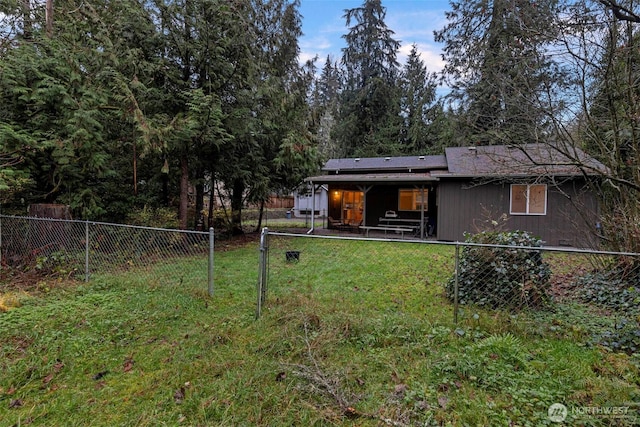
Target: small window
413	200
528	199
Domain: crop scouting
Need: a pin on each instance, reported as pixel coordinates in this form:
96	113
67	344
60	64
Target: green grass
353	334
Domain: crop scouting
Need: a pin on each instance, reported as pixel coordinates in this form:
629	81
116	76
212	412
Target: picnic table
414	225
395	228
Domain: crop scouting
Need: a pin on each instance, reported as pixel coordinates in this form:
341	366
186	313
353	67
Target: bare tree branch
621	12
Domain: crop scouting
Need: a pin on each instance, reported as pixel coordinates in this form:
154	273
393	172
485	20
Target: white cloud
430	55
319	45
417	27
412	21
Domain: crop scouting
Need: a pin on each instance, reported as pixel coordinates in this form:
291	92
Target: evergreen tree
329	85
371	50
498	67
608	126
272	149
417	104
369	118
325	108
54	93
134	103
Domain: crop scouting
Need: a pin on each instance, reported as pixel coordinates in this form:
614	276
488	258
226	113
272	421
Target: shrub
153	217
502	277
58	264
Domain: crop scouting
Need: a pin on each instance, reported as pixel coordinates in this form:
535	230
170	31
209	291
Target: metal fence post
262	272
86	251
455	284
211	246
265	267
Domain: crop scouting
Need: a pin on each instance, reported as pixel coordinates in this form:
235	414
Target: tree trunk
259	226
236	207
199	202
55	211
27	27
135	170
184	191
49	17
212	198
46	237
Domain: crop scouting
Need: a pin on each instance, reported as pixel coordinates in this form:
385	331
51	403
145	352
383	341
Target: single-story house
533	187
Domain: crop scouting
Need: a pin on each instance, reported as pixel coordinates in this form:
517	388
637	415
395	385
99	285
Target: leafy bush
502	277
221	222
153	217
57	264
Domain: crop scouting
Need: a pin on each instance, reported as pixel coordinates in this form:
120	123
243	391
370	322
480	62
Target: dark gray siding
570	218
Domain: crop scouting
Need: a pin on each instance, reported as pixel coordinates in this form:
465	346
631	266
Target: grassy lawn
349	335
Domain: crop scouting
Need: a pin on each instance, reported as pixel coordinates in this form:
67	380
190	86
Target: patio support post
313	208
365	190
364	208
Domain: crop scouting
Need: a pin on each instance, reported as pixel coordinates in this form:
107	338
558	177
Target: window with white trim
528	199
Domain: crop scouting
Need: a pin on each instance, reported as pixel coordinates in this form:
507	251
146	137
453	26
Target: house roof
352	178
463	162
377	164
525	160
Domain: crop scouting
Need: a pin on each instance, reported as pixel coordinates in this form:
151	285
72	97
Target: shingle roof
463	162
526	160
409	163
354	178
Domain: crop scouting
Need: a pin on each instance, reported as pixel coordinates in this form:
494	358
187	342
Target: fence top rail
457	243
550	249
77	221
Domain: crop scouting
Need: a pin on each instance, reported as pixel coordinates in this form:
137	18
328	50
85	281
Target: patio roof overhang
402	178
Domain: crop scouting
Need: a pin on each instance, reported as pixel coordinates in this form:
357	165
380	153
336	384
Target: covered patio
389	205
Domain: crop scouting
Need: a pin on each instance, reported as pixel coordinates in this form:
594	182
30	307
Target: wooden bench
396	229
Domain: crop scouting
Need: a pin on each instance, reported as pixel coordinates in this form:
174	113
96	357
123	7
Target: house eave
445	175
372	178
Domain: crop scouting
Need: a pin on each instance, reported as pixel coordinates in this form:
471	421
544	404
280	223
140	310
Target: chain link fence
84	248
596	293
458	282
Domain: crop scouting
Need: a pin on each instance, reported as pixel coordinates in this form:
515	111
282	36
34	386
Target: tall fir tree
608	126
369	116
498	67
325	108
272	149
134	103
418	104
